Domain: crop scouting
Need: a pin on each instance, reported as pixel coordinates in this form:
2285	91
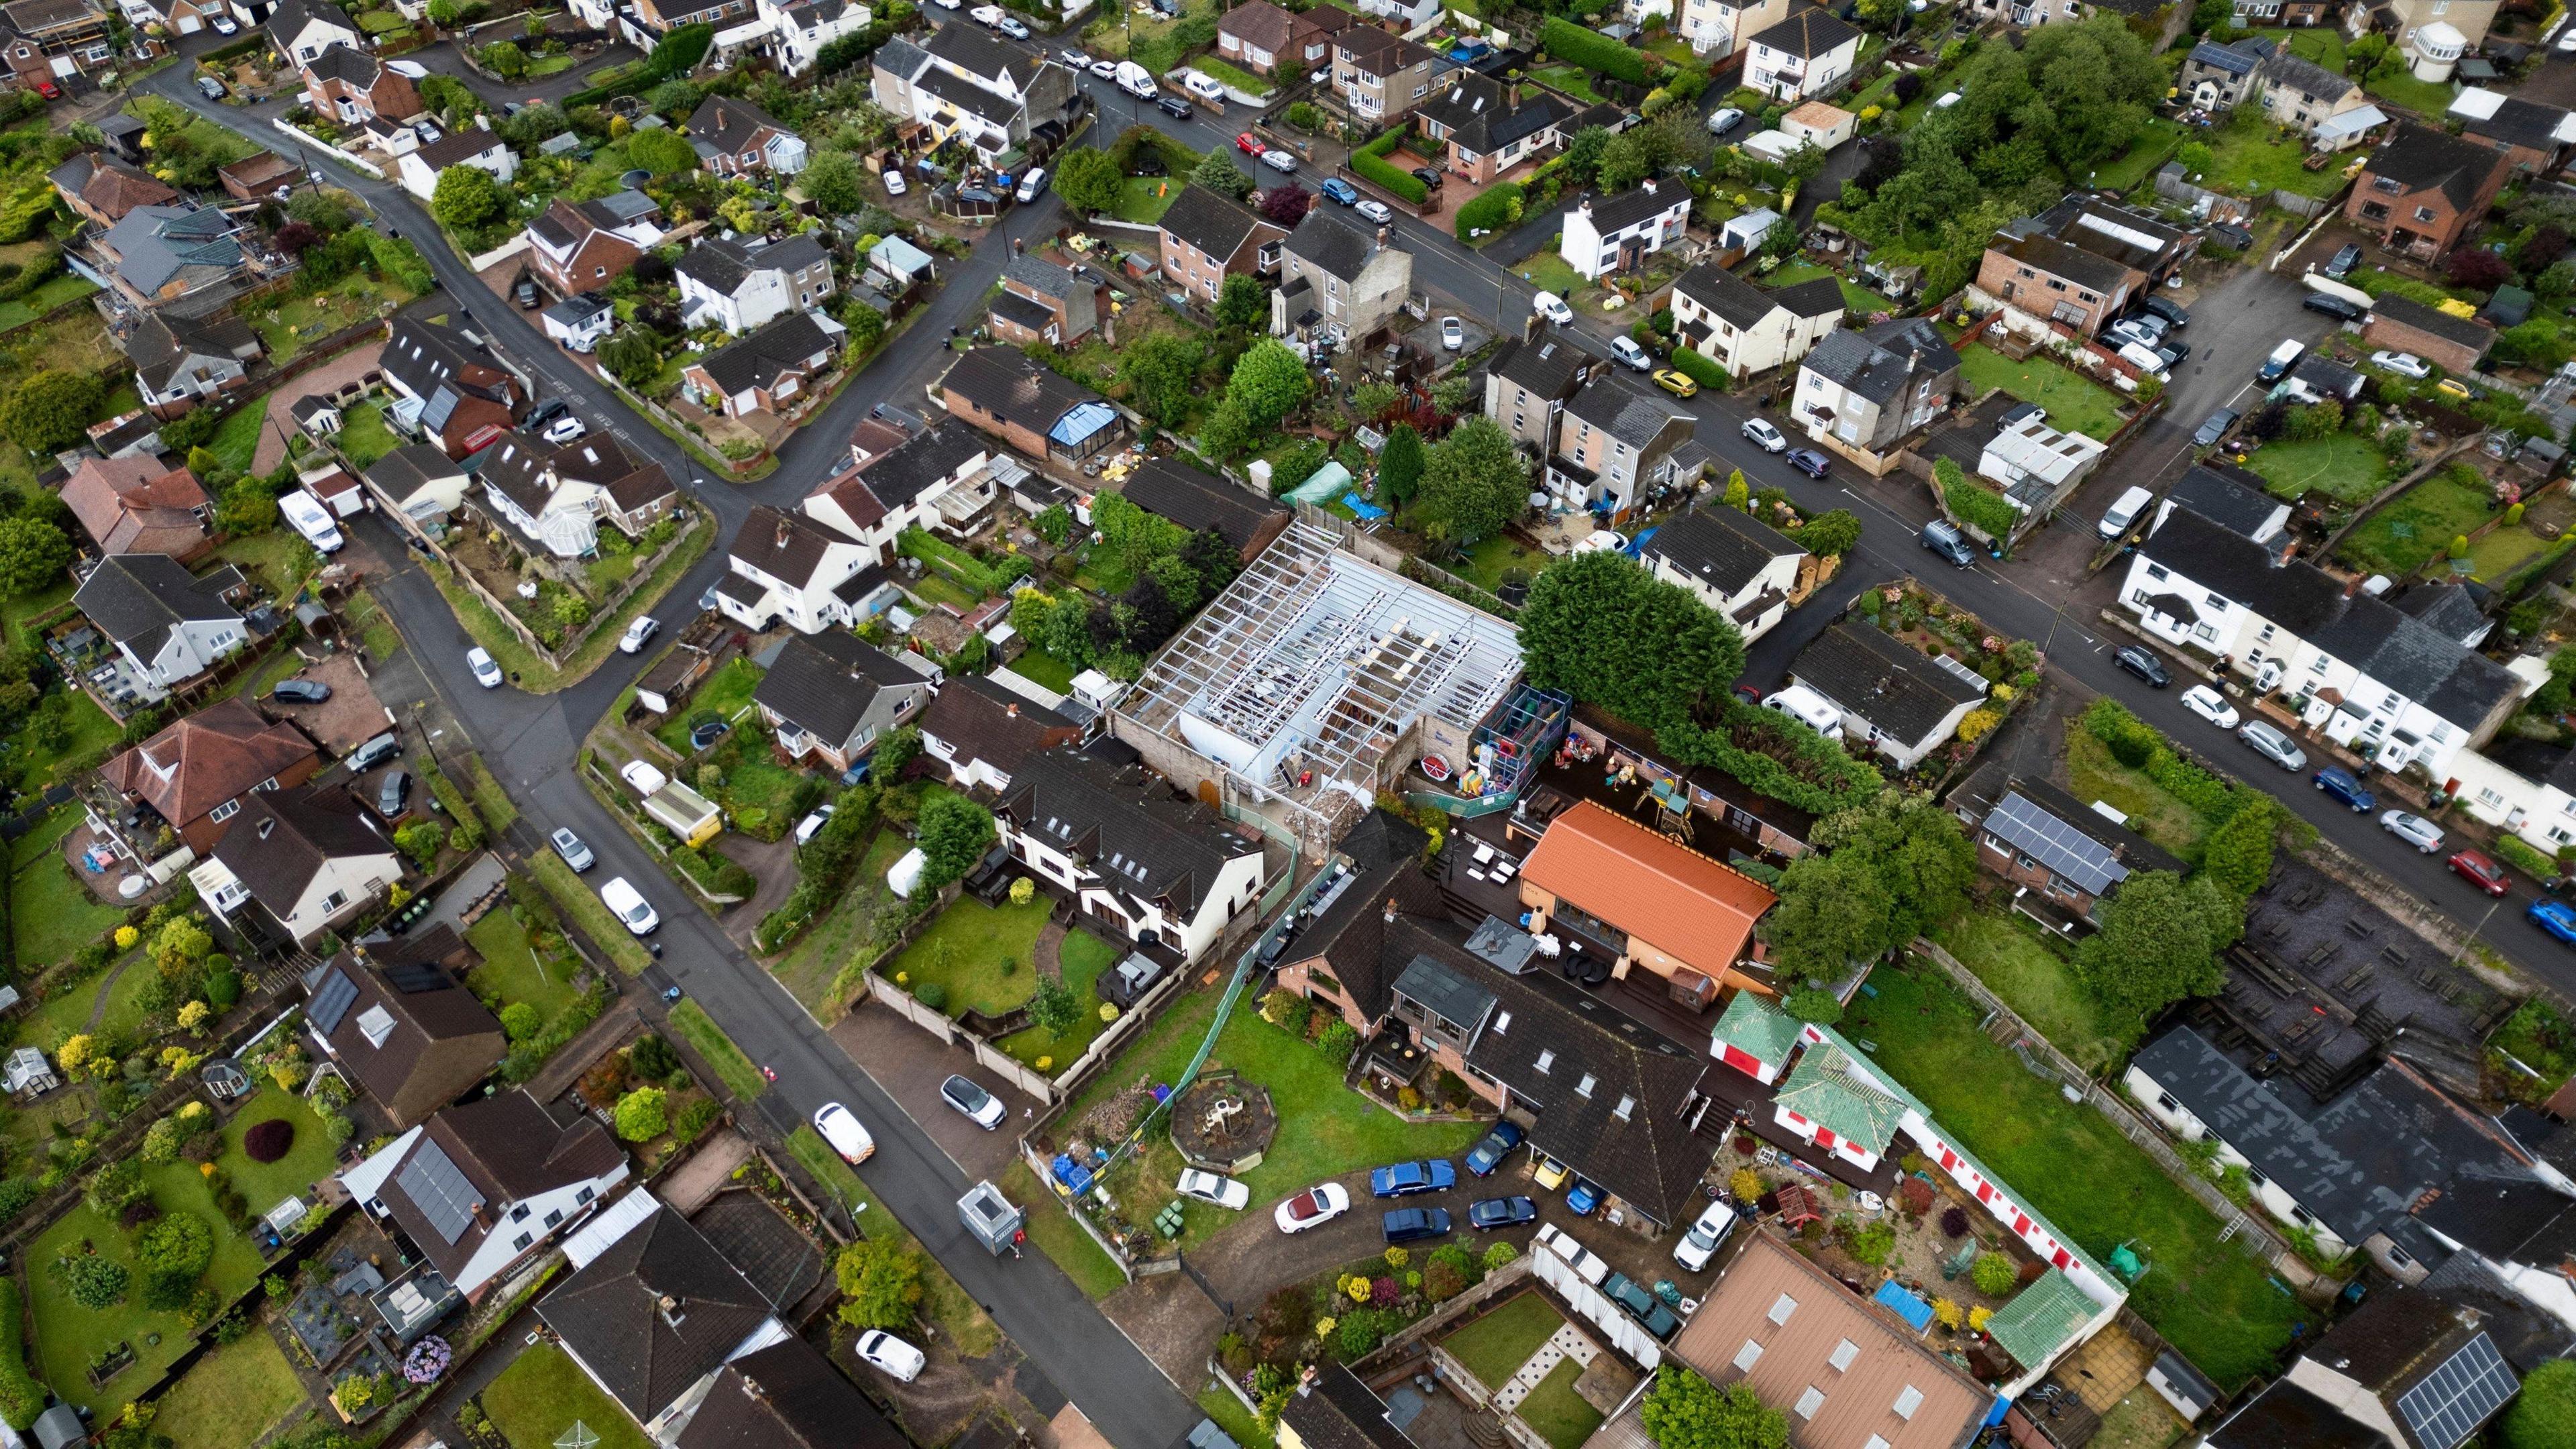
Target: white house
167	627
1719	28
1135	860
419	482
983	730
472	146
799	29
741	287
788	568
1737	564
1745	329
1617	233
579	323
1808	54
1894	698
481	1186
299	862
2037	465
883	493
301	31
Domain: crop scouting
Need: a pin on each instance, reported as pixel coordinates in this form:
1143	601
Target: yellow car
1549	1172
1674	383
2454	387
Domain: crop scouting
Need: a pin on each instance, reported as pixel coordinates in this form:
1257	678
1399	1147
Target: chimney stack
1012	709
1649	184
782	530
1390	910
1512	96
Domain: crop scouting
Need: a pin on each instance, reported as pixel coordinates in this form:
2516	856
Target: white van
1032	186
307	516
2278	365
2143	359
1205	87
1808	708
1136	81
843	1131
2124	511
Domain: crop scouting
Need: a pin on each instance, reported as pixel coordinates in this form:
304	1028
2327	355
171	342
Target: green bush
1371	164
932	995
1338	1042
21	1397
1564	40
2519	854
1977	506
1495	208
1701	368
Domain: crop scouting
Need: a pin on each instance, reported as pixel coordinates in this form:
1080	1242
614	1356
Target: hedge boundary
1371	164
1701	368
1491	211
1564	40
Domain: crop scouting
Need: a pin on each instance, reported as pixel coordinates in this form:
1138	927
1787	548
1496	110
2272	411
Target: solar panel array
418	976
2055	844
438	1188
332	1001
2453	1400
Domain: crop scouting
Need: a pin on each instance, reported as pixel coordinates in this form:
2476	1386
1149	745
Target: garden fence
307	138
1497	1284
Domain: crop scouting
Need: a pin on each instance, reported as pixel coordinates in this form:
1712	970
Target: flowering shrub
427	1360
1385	1291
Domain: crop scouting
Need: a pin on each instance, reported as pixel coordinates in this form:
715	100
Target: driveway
912	1064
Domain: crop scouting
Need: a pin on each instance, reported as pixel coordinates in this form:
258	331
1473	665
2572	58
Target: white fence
307	138
501	253
1609	1320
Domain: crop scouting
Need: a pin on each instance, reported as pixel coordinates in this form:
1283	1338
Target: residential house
1617	443
197	770
1528	384
1042	302
1736	563
2319	378
2421	191
1379	75
160	254
1038	412
175	17
2406	1369
653	1313
832	696
2405	22
2230	497
1151	868
521	489
1805	1345
982	731
1606	234
922	481
402	1026
2367	675
2046	841
1746	329
1346	957
2252	13
297	863
1651	903
102	190
135	505
419	482
260	176
300	30
1719	29
167	627
967	85
1337	1411
896	266
1867	391
769	370
2537	137
2039	467
579	322
742	288
1338	280
789	568
2057	282
1206	237
1810	53
799	29
787	1396
581	248
349	86
2402	324
1887	695
178	360
2303	95
481	1187
1175	491
469	146
1263	38
2217	77
736	138
625	490
1491	127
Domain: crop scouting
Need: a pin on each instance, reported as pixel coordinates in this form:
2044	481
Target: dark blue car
1407	1178
1489	1154
2340	785
1583	1197
1404	1225
2558	918
1487	1214
1339	192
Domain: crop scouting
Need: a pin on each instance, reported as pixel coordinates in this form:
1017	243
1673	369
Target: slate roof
2449	609
1810	33
1477	110
259	171
1002	381
761	358
2294	594
611	1315
731	126
1025	312
1125	823
2288	68
723	266
1339	1412
1176	491
1380	53
1261	24
983	721
162	342
2048	255
2521	123
2406	311
899	56
2526	1335
1618	213
459	147
282	838
2328	376
1879	362
1207	220
1725	548
785	544
1897	689
202	760
1352	932
2239	59
2417	660
787	1393
898	475
2422	159
1613	404
1326	240
136	599
1735	300
407	469
344	63
154	244
1548	367
971	49
424	355
824	683
111	186
2209	490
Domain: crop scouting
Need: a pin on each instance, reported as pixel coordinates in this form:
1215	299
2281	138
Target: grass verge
691	1021
585	909
1060	1237
944	1301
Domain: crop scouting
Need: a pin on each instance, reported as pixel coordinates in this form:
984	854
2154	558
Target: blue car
1489	1154
1338	191
2340	785
1407	1178
1583	1197
1487	1214
2558	918
1404	1225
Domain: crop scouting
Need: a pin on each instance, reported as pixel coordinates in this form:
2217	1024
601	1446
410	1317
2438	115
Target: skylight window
1781	1310
1810	1401
1844	1353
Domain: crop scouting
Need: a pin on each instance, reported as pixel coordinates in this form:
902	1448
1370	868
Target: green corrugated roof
1825	1089
2041	1317
1756	1024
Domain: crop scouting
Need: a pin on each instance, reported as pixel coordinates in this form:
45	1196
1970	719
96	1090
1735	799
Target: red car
1249	144
48	89
2480	869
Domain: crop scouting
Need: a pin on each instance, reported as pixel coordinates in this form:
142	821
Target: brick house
1490	127
1193	500
262	176
2402	324
580	248
134	505
2537	137
737	138
195	772
2047	841
350	86
1038	412
1042	302
2054	281
463	393
1207	237
1262	37
103	190
399	1020
2421	191
767	369
1617	442
1378	74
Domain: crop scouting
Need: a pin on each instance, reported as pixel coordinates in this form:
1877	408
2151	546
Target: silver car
570	847
2415	830
2273	745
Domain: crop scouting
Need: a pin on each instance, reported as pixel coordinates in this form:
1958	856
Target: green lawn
279	560
1218	70
1228	1412
2073	401
235	1394
2211	1300
693	1024
2160	817
2145	156
2246	161
2017	963
374	628
1557	1412
841	938
237	439
32	308
296	323
549	65
490	800
1081	959
308	1161
2502	551
1570	79
725	693
1550	273
1856	298
2417	526
543	1393
935	588
254	685
511	970
1484	564
944	1302
582	906
51	914
1494	1346
1061	1238
364	435
981	956
68	1013
1049	672
2344	465
15	614
1144	199
382	22
92	731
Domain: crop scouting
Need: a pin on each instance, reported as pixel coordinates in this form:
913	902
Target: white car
2415	830
630	907
1010	26
2566	40
894	182
1105	69
811	825
1602	540
842	1130
1207	1187
1453	334
1723	119
1628	352
642	775
1319	1204
1283	161
1586	1263
974	1103
638	634
1373	209
1764	436
1074	58
1701	1242
226	25
1553	308
2206	702
486	673
883	1350
985	14
2404	364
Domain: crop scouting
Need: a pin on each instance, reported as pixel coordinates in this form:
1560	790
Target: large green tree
880	1284
1399	465
2159	942
2544	1415
1161	373
955	833
834	181
33	555
1602	629
466	197
661	151
50	411
1089	180
1218	173
1834	910
1473	482
1924	861
1685	1411
1242	302
1269	383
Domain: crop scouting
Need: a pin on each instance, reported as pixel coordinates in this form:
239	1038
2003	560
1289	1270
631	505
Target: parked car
393	793
842	1130
1496	1145
1406	1178
1944	538
2415	830
894	183
1105	69
1626	350
226	25
2172	312
1553	308
2142	663
1488	1213
2214	427
2122	513
2210	705
1429	177
545	412
2282	359
1700	1241
1334	189
1032	186
1374	210
486	673
1587	1265
1723	120
569	846
883	1350
1679	384
2339	784
1209	1188
2130	329
1546	1171
529	298
986	15
1453	334
1764	436
2335	307
641	775
2343	262
811	825
1641	1304
2273	745
373	753
1808	461
1249	144
1315	1206
211	88
1012	26
2453	387
2404	364
1583	1197
45	87
1282	160
300	691
1174	107
1407	1225
977	1105
2481	870
638	634
2556	917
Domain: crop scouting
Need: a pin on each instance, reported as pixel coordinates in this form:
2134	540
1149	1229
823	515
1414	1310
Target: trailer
685	813
991	1218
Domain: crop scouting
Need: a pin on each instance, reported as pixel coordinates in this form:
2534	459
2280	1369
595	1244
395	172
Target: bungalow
160	254
295	864
1737	564
134	505
1810	53
195	772
479	1187
743	288
579	322
1490	127
1185	496
419	482
1617	233
103	190
789	568
1206	237
982	732
1263	38
2319	378
1643	902
167	627
1746	329
1884	694
832	696
1153	869
768	370
737	138
2230	497
178	360
580	248
2044	840
400	1022
471	146
1035	410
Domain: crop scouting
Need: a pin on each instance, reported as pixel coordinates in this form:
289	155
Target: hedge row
1701	368
1371	163
1496	207
2520	854
1833	779
1567	41
22	1398
2140	746
1981	508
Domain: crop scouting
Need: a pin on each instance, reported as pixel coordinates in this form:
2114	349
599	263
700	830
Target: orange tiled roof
1683	903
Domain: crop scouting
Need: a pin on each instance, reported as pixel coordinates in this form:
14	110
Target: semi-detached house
1489	126
2056	282
480	1187
968	86
982	732
296	863
1207	237
770	369
1164	874
943	479
1718	29
1736	563
1747	329
1528	384
1379	75
1606	234
742	286
472	146
785	567
1617	443
1338	281
831	697
1865	393
1262	37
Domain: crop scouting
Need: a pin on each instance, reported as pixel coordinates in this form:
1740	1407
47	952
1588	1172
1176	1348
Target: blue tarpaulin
1368	512
1892	1296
